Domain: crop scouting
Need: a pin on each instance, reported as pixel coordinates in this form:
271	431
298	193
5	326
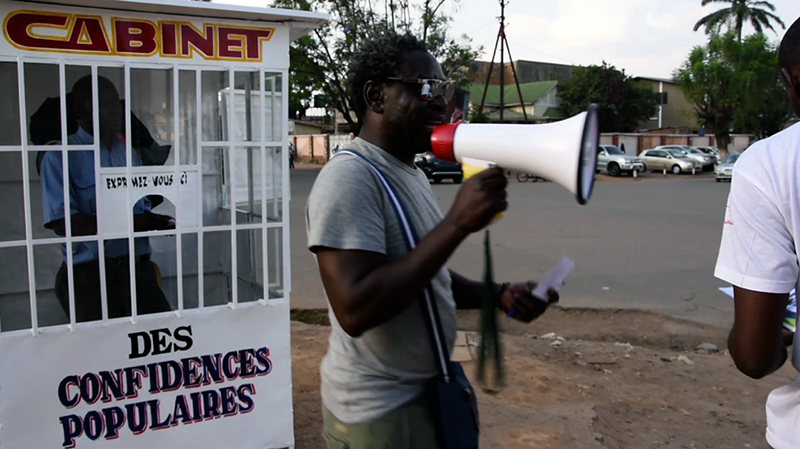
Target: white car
711	151
615	162
724	171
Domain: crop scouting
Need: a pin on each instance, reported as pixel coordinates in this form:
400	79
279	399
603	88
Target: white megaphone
564	152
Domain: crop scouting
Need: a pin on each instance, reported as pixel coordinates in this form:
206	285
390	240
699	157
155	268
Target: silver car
711	151
706	162
611	159
673	160
724	171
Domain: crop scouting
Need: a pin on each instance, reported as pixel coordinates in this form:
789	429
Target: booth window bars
203	144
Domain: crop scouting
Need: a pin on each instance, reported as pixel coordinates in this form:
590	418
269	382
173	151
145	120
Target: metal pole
516	81
488	76
502	60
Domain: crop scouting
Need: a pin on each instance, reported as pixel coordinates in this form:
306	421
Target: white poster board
214	378
118	192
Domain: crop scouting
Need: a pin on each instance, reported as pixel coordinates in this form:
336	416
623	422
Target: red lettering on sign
17	27
88	35
191	37
64	32
169	39
254	39
231	43
85	34
135	37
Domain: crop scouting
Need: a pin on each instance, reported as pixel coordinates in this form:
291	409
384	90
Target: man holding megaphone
381	243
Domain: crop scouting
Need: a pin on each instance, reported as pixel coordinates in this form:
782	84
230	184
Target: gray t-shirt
366	377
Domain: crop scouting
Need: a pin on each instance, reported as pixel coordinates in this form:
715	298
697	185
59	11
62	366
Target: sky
649	38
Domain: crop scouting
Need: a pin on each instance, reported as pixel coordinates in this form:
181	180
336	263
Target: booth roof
300	22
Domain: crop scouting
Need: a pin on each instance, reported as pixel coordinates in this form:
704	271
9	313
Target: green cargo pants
410	426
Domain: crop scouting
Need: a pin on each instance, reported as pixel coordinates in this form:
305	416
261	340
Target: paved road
649	244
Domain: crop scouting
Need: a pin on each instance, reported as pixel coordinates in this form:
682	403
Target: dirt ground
607	379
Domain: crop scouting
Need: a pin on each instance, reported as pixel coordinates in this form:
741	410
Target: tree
476	117
759	13
302	82
734	85
764	108
322	61
621	104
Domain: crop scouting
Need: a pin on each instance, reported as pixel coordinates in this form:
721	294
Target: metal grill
228	143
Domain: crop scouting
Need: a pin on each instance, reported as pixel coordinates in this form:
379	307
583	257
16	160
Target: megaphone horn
564	152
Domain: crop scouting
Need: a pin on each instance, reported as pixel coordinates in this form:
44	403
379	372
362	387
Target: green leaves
321	61
735	86
621	103
758	13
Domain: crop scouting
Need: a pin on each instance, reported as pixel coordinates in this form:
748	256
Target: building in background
305	127
539	85
527	71
675	112
539	100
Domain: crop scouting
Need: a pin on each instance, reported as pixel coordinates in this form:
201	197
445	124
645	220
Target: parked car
724	171
706	162
437	170
673	160
711	151
611	159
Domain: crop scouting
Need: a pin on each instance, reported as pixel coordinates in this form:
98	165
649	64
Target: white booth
150	138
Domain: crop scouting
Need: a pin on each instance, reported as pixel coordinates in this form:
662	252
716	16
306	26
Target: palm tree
759	13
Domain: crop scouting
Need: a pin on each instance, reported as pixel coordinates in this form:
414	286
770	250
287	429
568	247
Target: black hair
377	59
83	87
789	51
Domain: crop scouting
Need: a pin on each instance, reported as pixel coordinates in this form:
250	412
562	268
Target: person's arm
758	257
83	224
365	290
787	336
515	299
468	294
756	341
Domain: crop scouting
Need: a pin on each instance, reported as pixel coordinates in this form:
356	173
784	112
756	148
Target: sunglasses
431	88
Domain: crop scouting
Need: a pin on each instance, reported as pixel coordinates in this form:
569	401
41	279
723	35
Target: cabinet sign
127	36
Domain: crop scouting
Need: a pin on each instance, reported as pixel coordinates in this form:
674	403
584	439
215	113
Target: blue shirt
82	193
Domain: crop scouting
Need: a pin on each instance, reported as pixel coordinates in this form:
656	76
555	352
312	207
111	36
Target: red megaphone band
442	141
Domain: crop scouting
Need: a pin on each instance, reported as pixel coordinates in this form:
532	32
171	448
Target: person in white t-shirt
758	255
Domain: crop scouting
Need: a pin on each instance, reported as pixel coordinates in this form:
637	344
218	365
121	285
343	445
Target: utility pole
502	61
503	43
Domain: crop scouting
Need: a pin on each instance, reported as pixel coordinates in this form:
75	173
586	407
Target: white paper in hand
554	280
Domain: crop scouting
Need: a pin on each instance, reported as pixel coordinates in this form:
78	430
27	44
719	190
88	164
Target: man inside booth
83	215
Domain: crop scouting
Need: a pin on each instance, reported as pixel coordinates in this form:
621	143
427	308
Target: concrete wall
636	143
312	147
